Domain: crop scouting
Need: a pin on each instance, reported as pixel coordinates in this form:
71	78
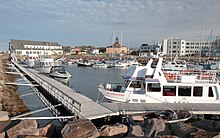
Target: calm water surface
86	79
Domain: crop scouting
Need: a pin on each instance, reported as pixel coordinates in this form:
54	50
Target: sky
92	22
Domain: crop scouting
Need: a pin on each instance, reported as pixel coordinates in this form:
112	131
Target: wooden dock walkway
86	108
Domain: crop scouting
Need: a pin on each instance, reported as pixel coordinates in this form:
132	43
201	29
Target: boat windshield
59	69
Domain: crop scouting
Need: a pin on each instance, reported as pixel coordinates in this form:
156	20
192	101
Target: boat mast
210	49
171	45
113	35
200	50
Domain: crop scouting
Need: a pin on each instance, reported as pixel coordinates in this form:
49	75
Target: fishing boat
149	84
44	65
84	63
60	74
30	60
120	64
100	64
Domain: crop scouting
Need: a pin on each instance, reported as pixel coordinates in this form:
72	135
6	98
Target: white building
180	47
26	47
145	49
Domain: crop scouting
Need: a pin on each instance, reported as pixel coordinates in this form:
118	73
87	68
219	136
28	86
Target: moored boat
149	84
100	64
44	65
84	63
60	74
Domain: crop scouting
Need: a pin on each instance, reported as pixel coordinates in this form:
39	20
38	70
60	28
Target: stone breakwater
9	98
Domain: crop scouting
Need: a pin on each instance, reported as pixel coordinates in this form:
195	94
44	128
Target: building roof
19	44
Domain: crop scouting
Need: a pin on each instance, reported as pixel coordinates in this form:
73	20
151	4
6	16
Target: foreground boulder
136	131
4	116
27	128
154	127
80	129
186	130
117	130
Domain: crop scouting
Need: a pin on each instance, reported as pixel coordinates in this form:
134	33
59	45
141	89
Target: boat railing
204	76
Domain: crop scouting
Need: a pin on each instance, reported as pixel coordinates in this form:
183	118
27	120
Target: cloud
92	21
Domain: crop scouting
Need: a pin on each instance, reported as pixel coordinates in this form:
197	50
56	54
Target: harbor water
86	79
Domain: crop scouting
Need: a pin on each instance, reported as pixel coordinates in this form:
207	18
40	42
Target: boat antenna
210	49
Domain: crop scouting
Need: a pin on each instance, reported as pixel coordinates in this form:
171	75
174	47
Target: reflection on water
86	79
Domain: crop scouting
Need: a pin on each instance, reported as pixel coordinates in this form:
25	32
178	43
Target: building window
27	52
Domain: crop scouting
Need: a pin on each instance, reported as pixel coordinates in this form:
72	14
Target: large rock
114	130
2	134
25	127
137	118
186	130
136	131
155	126
217	136
44	130
80	129
216	126
54	132
204	124
4	116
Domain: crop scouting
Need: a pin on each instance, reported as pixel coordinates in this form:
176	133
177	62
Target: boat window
184	91
169	90
197	91
135	84
153	87
149	76
126	83
211	92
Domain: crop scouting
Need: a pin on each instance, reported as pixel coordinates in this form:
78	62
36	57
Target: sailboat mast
200	45
171	47
121	39
210	49
113	35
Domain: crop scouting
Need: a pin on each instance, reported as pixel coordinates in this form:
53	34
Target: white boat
44	65
84	63
60	74
100	65
30	60
174	65
149	84
120	64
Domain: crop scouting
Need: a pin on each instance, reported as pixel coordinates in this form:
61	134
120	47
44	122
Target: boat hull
84	65
44	70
